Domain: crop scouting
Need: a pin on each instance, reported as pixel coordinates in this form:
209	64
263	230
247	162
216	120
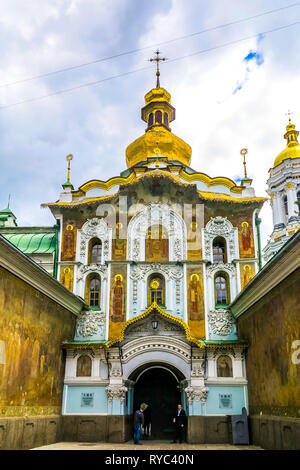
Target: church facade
158	253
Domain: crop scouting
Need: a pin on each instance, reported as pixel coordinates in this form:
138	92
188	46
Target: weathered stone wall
270	327
275	432
97	428
32	327
209	430
29	432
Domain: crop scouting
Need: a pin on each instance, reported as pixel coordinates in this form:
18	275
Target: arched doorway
159	388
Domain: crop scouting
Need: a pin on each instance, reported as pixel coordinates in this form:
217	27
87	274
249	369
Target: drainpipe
56	226
257	223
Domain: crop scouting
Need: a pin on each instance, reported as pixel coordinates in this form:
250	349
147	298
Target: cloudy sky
229	97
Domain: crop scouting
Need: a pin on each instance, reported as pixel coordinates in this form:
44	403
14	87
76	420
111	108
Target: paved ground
145	445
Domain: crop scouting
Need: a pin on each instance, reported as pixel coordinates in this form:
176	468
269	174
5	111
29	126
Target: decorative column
116	390
291	198
278	214
196	392
71	364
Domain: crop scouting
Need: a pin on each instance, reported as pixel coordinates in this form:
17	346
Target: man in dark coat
138	423
180	424
147	421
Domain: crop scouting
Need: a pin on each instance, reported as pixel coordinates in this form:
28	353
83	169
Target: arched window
285	205
298	195
158	117
84	366
221	289
150	120
156	289
166	119
219	250
95	251
224	366
92	290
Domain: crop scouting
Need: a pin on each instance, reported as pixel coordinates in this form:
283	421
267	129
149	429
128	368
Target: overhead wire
133	51
97	82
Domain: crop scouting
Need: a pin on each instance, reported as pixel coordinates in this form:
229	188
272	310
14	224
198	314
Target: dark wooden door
158	388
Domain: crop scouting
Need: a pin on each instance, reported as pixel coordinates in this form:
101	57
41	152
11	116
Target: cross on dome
157	59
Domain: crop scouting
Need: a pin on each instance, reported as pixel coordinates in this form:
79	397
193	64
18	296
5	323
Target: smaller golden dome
158	138
293	148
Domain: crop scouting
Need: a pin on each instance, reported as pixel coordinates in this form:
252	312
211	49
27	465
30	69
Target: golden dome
293	148
158	138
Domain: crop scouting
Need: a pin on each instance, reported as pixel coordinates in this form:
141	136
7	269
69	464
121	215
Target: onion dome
292	149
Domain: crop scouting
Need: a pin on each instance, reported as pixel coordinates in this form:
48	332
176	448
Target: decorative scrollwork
116	392
196	393
90	322
219	226
220	321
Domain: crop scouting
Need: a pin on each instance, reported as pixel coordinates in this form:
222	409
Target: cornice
23	267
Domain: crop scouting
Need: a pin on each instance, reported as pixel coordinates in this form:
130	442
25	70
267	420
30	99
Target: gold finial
244	153
69	158
157	59
289	113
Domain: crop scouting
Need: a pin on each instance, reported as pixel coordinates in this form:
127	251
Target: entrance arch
158	385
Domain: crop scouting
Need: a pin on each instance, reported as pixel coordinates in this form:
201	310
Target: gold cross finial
157	59
244	153
69	158
289	113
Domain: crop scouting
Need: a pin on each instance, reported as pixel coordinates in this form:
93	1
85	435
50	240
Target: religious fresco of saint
119	243
194	242
195	301
246	242
247	272
157	244
68	246
66	277
118	295
224	366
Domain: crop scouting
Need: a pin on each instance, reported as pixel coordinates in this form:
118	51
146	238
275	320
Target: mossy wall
271	326
32	327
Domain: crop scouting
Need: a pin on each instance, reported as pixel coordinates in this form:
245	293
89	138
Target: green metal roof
6	211
32	242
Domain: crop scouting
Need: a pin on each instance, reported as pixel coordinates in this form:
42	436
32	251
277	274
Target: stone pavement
145	445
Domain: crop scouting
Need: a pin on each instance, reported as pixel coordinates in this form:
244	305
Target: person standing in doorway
180	421
138	423
147	421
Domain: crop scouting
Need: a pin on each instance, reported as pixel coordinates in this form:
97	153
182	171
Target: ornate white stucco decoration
141	271
220	226
170	272
196	393
90	322
198	369
116	392
84	271
95	228
220	321
157	214
228	268
164	344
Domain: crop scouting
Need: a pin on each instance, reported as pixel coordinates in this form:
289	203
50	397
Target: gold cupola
292	149
158	113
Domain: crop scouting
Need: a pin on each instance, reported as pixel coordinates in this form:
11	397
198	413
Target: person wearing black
147	421
180	424
138	423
